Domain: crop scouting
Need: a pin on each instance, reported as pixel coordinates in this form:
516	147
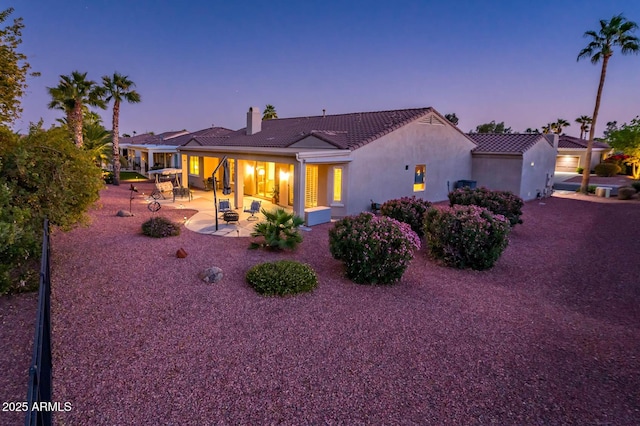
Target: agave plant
280	230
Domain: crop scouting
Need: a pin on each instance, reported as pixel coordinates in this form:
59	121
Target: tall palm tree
584	121
72	95
559	125
615	32
269	112
118	88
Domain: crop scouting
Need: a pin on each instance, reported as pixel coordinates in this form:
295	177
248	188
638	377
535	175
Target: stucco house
148	151
335	165
521	163
572	153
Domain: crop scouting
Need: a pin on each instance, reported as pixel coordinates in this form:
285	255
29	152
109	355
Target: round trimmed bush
374	249
160	227
409	210
626	192
282	278
607	169
466	236
504	203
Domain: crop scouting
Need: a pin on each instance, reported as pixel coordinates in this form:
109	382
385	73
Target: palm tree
72	95
548	128
616	32
269	112
583	121
559	125
97	141
118	88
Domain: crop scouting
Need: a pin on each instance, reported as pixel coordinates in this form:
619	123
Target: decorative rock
124	213
181	254
211	275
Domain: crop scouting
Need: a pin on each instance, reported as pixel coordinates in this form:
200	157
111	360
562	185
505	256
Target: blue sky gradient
198	63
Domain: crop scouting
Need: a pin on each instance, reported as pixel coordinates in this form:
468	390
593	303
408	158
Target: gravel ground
550	335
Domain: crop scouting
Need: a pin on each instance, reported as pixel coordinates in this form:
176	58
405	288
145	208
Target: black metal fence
40	385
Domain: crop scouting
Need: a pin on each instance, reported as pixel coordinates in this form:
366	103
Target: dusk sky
198	63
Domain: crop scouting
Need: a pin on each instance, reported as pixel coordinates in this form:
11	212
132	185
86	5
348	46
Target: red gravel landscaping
550	335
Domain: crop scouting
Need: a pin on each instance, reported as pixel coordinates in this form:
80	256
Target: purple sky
198	63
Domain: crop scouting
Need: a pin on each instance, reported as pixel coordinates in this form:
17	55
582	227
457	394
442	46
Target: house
148	151
521	163
335	165
572	153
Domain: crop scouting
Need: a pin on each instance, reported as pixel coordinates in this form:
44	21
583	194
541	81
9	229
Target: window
418	179
311	186
194	166
337	184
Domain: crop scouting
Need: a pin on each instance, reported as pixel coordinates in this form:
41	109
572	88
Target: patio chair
253	209
224	205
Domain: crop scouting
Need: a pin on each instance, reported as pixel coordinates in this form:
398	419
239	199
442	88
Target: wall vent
432	120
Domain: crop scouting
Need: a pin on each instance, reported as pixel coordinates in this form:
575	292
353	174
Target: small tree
627	140
493	127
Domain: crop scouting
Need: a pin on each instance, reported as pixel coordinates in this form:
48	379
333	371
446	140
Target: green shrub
160	227
626	192
466	236
607	169
636	185
579	170
282	278
409	210
279	231
503	203
108	177
375	249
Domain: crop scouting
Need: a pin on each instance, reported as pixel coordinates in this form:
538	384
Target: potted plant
275	195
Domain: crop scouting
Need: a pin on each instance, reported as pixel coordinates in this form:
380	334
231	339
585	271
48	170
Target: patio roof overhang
245	152
154	148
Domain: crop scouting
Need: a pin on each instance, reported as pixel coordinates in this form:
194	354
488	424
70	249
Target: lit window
418	179
337	184
194	166
311	186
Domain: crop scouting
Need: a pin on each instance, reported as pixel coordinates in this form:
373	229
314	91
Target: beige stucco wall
384	169
534	177
498	171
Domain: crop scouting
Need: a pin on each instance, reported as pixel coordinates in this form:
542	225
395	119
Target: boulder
211	275
181	253
124	213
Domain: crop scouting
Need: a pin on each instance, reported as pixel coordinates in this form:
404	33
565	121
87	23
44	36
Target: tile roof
344	131
506	142
209	132
572	142
172	138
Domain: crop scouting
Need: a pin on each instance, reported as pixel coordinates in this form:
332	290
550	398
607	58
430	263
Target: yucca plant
279	231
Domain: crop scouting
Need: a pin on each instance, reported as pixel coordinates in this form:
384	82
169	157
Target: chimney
254	121
324	113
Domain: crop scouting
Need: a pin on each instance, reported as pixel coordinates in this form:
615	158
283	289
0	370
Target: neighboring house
148	151
336	164
572	153
521	163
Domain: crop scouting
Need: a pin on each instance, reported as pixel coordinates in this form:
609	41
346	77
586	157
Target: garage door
567	163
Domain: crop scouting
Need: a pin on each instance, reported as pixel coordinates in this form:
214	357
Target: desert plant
375	249
466	236
160	227
503	203
279	231
579	170
282	278
626	192
636	185
409	210
607	169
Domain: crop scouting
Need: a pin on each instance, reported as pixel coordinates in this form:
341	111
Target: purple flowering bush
375	249
504	203
409	210
466	236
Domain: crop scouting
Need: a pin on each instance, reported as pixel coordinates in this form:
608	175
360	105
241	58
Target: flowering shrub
409	210
375	249
160	227
466	236
282	278
503	203
607	169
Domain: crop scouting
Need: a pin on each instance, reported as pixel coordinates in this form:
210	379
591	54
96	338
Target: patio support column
150	158
238	193
299	185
